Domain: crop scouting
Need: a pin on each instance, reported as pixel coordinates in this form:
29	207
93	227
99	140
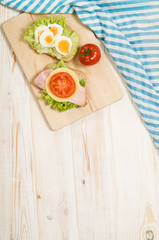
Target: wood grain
102	88
18	218
55	185
97	179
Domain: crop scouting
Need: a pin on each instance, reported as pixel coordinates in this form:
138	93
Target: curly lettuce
60	64
82	82
73	35
62	106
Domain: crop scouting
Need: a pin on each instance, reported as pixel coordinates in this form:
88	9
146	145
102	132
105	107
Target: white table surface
97	179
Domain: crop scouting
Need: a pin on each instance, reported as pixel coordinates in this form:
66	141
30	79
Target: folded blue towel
130	32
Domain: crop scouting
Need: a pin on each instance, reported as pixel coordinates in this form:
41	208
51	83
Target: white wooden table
97	179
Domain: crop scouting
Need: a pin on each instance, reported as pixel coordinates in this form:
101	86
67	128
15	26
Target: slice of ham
41	78
80	98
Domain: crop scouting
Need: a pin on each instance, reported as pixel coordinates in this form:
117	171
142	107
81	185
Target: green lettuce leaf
83	83
73	35
60	64
62	106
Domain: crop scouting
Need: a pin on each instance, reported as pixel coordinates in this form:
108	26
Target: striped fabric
130	31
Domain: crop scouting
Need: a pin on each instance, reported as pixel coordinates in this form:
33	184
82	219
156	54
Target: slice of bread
67	31
65	59
81	75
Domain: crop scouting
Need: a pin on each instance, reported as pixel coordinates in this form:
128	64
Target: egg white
59	29
38	31
57	45
43	41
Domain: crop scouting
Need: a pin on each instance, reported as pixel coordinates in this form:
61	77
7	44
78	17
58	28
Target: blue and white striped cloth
130	31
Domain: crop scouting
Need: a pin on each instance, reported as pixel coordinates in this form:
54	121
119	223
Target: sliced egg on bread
47	39
56	29
62	84
39	30
63	45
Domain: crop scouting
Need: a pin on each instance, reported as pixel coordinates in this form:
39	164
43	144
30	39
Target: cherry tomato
62	85
89	54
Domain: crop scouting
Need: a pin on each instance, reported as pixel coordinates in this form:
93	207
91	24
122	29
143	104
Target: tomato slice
62	85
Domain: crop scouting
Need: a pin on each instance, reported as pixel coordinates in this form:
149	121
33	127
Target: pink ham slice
80	98
41	78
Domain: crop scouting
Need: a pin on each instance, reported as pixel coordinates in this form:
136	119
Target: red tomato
89	54
62	85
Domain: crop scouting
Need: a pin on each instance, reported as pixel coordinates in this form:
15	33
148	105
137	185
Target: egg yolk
48	39
64	45
54	30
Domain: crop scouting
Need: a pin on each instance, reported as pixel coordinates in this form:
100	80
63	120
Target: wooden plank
102	88
94	174
56	204
134	173
18	218
116	166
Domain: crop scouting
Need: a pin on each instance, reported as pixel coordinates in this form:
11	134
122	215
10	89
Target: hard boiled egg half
39	30
63	45
47	39
56	29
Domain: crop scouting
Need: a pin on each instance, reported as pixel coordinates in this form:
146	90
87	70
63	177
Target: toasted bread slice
51	51
81	75
65	59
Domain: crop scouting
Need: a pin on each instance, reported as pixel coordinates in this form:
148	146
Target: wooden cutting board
102	88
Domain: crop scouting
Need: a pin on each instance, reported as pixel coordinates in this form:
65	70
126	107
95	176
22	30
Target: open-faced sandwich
52	36
61	87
